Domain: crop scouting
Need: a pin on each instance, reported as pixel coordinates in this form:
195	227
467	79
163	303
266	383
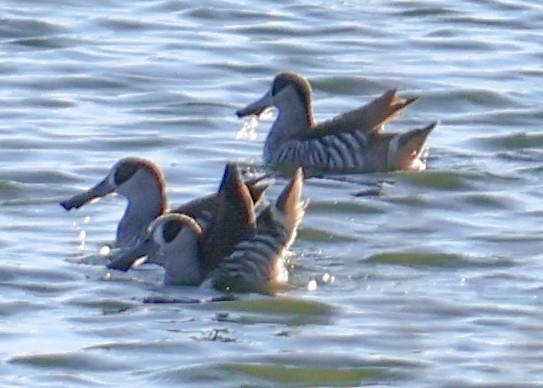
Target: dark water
432	279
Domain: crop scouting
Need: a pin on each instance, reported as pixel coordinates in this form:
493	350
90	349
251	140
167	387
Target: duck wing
206	206
367	119
234	220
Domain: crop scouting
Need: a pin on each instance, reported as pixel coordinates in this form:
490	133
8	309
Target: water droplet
312	285
327	278
266	115
248	130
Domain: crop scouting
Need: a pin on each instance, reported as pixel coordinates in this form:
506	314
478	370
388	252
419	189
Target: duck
352	142
142	183
257	263
256	247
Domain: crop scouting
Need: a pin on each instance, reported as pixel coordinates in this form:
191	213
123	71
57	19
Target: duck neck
144	205
182	263
294	118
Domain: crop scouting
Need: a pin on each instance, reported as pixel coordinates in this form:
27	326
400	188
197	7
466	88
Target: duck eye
124	172
171	230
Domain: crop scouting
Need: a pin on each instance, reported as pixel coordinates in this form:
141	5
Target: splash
82	237
314	283
248	130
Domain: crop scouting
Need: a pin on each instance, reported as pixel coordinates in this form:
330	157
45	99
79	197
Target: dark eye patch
300	84
171	230
281	82
125	172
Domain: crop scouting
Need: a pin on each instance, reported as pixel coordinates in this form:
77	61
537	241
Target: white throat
145	203
182	262
291	119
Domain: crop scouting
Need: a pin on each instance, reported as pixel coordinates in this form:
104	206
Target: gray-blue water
435	279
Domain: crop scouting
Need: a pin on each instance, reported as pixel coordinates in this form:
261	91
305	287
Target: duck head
171	240
290	93
141	182
177	237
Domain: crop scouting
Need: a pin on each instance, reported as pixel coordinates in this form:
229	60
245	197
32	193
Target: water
432	279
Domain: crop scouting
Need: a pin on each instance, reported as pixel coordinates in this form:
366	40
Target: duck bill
100	190
127	257
257	107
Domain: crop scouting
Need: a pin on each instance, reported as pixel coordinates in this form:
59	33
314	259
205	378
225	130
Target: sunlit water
432	279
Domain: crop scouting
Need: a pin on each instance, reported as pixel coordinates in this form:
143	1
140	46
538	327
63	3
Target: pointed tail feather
289	203
417	137
235	218
234	193
406	150
386	107
370	117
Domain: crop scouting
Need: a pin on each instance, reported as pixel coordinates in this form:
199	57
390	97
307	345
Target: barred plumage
253	263
257	263
342	151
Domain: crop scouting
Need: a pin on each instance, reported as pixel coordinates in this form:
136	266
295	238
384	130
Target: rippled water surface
431	279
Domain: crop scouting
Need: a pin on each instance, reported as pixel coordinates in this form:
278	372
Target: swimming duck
350	142
255	262
141	182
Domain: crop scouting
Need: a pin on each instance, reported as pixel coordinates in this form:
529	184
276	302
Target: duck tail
233	192
370	117
388	106
407	149
289	204
256	264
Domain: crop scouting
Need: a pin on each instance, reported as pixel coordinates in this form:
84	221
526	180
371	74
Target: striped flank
252	265
342	151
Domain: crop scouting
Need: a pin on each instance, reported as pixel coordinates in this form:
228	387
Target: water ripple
429	279
71	361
